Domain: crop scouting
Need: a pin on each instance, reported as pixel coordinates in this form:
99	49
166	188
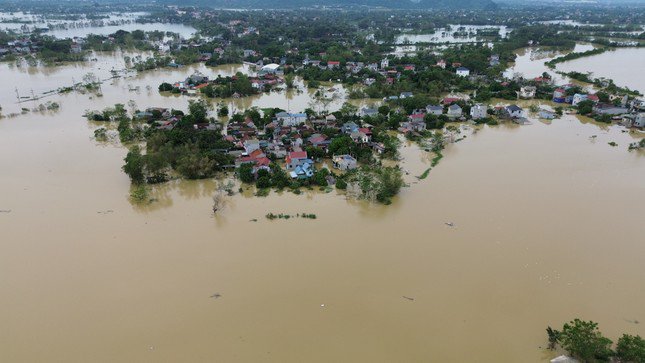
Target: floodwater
447	35
626	66
143	88
529	62
548	226
83	27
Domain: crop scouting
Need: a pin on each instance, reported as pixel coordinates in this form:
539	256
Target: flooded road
547	227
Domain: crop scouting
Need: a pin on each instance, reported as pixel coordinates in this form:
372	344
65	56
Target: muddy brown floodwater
548	226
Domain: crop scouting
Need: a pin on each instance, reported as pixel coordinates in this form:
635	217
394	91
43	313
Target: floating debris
408	298
216	295
450	224
5	210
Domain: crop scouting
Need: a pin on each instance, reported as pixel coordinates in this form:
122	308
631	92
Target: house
638	120
303	171
442	64
413	125
546	114
76	48
385	63
449	100
378	147
577	98
463	72
454	111
514	111
527	91
369	112
434	110
196	78
251	145
494	60
559	95
333	64
291	119
271	68
319	141
406	95
344	162
608	109
349	127
249	53
478	111
296	158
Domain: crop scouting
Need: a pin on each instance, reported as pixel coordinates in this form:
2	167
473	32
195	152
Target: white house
434	110
478	111
385	63
527	92
463	72
634	120
577	98
291	119
640	120
454	111
271	68
344	162
514	111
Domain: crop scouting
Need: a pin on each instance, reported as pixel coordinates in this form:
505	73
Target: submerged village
416	180
423	96
277	148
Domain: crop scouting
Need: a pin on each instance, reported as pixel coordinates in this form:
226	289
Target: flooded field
547	227
453	34
143	88
530	62
625	66
112	22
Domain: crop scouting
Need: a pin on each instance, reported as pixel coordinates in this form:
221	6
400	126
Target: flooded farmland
547	226
625	66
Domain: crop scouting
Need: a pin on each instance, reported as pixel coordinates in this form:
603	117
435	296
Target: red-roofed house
449	100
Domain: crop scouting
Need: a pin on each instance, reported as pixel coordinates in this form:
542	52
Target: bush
341	184
165	87
583	340
631	349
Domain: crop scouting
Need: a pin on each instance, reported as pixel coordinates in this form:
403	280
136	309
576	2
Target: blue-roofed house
349	127
303	171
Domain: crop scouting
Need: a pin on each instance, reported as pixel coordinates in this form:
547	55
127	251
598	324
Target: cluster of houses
195	82
618	107
21	46
287	138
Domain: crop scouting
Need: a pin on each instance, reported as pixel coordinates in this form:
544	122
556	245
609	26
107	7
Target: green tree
199	110
348	109
583	340
631	349
320	177
340	145
288	80
245	172
165	87
585	107
134	165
